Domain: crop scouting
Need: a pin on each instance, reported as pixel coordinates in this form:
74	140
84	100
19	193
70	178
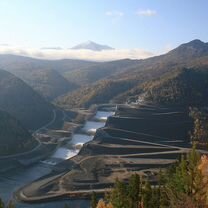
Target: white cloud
105	55
114	13
146	12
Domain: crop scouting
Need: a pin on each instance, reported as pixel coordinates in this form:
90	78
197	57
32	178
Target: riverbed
12	180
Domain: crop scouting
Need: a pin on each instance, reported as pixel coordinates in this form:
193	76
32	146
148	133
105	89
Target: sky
134	27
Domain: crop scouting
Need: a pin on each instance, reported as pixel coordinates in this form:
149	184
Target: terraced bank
140	139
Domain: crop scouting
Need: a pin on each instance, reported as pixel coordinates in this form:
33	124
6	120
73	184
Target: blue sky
152	25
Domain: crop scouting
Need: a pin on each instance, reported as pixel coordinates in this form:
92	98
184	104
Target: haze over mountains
190	55
90	45
28	85
45	76
89	50
99	95
41	98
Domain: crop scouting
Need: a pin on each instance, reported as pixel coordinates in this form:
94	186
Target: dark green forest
22	102
14	138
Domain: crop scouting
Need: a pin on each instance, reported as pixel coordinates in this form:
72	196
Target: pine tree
134	191
11	205
1	203
66	206
118	196
200	133
147	195
155	200
94	200
185	185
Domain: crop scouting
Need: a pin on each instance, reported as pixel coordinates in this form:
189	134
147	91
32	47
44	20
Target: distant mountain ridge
90	45
99	71
55	78
193	49
193	54
45	76
47	82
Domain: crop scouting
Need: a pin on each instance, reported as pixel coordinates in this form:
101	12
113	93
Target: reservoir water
12	180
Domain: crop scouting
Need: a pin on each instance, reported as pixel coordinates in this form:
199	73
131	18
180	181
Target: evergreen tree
147	195
134	191
11	205
185	185
66	206
155	200
200	133
1	203
162	197
94	200
118	197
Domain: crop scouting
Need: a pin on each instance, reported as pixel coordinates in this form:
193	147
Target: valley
77	126
103	104
12	180
127	144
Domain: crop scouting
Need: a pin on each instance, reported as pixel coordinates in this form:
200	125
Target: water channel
12	180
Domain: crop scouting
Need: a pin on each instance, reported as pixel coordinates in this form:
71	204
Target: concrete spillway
85	135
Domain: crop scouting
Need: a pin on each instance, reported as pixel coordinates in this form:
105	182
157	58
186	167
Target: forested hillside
183	87
100	92
22	102
47	82
14	137
15	62
147	73
44	76
99	71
